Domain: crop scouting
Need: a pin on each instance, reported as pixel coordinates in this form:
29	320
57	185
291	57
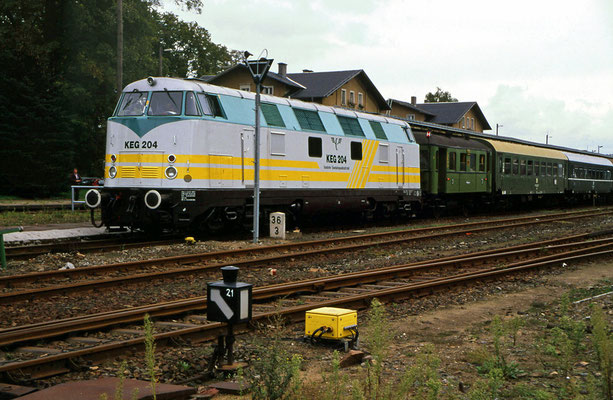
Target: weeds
150	352
275	374
603	345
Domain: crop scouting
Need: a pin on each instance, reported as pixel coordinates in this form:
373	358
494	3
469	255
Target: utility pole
599	147
498	126
119	46
258	69
547	136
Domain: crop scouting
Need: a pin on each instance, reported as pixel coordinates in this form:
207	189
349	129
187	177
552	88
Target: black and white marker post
228	301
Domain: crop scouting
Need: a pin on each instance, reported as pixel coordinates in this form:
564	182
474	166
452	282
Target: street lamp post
162	50
498	126
599	147
547	137
258	69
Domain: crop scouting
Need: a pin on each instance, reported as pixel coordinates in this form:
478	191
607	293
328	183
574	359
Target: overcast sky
535	67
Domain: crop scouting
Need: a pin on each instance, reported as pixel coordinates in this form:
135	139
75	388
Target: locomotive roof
197	85
515	148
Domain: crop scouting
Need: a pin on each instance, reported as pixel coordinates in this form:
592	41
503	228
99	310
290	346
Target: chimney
307	70
282	68
413	100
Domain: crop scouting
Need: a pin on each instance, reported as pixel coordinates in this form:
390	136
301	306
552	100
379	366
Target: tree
439	96
57	86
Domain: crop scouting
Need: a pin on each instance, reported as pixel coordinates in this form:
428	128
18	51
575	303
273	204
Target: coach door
400	167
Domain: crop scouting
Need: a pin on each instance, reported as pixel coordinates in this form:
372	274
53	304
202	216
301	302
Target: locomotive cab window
191	107
356	150
165	103
133	104
210	105
315	149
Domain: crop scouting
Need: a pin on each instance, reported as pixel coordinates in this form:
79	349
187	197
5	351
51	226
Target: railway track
353	290
47	281
84	246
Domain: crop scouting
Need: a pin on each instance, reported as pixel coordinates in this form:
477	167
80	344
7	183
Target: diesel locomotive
180	155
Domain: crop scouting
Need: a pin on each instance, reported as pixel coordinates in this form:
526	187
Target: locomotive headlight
172	158
113	158
170	172
112	172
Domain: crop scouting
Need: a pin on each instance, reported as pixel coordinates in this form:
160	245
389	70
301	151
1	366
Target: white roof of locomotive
200	86
584	158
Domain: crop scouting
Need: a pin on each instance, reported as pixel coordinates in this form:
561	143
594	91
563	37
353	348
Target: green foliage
379	338
122	378
603	345
150	352
335	382
439	96
422	378
58	62
275	374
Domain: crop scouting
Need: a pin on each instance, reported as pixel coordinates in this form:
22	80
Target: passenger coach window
555	169
530	167
133	104
165	103
315	147
482	162
452	161
356	150
522	167
424	159
473	162
191	107
462	161
210	105
507	166
548	169
515	166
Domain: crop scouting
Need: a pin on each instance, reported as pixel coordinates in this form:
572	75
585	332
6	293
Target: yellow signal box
331	323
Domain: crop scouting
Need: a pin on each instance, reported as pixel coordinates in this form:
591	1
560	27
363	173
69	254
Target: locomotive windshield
165	103
133	104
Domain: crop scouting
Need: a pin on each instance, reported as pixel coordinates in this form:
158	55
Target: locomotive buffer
228	301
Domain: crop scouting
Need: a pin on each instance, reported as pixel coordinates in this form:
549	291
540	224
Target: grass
17	218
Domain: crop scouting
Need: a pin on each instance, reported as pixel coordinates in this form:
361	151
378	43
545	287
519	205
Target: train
180	156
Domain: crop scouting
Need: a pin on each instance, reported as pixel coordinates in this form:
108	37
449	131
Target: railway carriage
455	171
589	175
180	153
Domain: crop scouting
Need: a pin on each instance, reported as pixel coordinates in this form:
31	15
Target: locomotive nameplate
188	195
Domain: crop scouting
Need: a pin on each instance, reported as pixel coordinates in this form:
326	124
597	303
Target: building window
472	124
315	148
343	97
246	87
411	117
268	90
352	99
361	100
